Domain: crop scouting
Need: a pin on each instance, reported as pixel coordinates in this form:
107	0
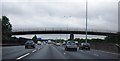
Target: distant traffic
68	45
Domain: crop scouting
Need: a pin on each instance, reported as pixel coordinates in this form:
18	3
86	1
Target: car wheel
80	48
75	49
33	46
26	47
88	48
66	49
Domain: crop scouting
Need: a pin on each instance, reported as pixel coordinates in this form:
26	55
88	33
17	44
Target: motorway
50	51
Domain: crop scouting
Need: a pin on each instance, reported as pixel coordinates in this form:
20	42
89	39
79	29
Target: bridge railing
62	29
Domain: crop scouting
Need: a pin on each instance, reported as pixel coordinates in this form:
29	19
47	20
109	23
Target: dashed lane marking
34	50
38	48
64	53
23	56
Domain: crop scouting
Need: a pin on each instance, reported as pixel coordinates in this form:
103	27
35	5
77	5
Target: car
39	42
64	43
70	45
76	43
58	44
84	46
30	44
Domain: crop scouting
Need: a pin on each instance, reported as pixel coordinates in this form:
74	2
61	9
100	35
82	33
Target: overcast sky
102	14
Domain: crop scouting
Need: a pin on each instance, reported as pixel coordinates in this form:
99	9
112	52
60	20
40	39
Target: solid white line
107	52
34	50
23	56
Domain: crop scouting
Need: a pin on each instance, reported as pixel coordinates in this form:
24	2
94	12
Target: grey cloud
102	15
51	14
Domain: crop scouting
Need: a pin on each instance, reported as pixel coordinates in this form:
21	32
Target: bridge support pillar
71	36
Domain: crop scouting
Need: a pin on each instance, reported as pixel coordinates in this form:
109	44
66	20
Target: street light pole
66	27
67	17
86	21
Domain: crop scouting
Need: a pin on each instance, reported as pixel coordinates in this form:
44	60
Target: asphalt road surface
50	51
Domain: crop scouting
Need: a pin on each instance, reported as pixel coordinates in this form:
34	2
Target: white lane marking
23	56
96	54
38	48
64	53
34	50
107	52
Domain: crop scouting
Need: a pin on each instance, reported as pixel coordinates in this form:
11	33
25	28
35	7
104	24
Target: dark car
64	43
58	44
84	46
30	44
71	45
